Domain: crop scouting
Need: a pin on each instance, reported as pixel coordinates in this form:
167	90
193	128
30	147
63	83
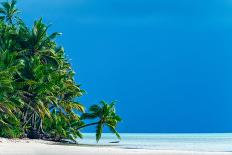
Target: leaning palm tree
106	115
8	11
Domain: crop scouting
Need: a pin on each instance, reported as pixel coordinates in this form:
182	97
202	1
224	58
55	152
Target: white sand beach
40	147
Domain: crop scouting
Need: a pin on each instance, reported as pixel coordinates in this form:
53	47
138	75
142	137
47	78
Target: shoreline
38	147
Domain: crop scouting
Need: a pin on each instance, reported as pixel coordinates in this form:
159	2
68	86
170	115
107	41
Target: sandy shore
40	147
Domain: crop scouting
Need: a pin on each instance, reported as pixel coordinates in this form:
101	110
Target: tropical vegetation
38	93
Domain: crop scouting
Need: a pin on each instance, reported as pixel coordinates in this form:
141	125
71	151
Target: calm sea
180	142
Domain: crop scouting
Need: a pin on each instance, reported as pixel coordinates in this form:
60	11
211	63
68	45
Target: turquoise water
179	142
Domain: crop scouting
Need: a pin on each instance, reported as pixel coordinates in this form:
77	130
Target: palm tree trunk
86	125
40	128
27	121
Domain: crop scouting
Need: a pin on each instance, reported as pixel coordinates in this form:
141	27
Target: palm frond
99	131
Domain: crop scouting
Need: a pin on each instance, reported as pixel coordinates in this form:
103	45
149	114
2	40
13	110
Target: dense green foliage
38	94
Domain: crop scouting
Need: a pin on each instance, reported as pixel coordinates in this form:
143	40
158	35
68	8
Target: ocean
178	142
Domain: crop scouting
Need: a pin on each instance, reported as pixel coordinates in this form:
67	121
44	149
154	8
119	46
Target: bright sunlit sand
40	147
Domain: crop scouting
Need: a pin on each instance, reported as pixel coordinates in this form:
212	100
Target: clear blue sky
167	62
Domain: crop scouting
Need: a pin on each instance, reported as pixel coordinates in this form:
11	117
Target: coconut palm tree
106	115
10	103
47	88
9	11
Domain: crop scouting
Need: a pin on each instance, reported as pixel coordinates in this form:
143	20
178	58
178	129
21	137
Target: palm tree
106	115
47	78
9	11
47	88
10	103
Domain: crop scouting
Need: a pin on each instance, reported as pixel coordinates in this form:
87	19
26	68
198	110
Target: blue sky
168	63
